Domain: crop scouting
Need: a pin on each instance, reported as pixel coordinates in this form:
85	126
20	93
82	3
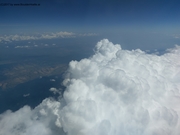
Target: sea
31	93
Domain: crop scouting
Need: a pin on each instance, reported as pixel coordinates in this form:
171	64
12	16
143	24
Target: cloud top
37	37
50	35
113	92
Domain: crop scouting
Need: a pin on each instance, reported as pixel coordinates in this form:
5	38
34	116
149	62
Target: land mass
21	73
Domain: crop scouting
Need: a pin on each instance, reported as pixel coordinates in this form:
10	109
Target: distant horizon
117	19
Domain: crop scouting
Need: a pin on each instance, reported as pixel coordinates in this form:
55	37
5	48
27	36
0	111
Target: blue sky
113	18
92	14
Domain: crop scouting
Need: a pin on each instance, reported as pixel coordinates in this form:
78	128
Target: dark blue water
31	93
35	91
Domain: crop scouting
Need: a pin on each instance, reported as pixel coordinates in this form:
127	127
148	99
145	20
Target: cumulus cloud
55	90
113	92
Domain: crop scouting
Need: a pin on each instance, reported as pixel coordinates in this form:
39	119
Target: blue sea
30	93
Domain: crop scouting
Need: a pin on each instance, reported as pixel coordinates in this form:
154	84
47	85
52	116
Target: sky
117	20
90	14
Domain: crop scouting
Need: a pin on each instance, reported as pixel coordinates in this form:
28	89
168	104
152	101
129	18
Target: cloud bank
52	35
114	92
36	37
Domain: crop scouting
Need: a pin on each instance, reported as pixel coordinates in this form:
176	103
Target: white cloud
113	92
17	37
50	35
89	34
26	95
25	121
55	91
176	35
26	46
52	80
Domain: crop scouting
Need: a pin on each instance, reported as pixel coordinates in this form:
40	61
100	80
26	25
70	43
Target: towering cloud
113	92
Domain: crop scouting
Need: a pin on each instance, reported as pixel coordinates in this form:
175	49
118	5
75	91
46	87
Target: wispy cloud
22	46
88	34
51	35
176	35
